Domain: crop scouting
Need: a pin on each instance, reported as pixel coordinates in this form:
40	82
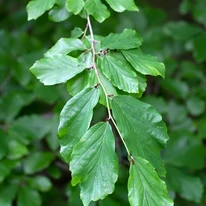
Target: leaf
12	103
140	77
94	163
88	79
195	105
142	128
119	74
65	46
186	185
56	69
37	161
199	48
28	196
59	13
28	128
145	187
74	6
5	171
177	87
16	149
4	144
75	119
8	193
128	39
185	150
41	183
145	64
122	5
36	8
98	10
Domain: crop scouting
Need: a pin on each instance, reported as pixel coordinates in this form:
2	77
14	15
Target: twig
100	82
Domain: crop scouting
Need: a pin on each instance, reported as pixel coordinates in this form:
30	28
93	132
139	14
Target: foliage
31	169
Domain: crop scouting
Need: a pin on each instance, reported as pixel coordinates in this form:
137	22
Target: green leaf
186	185
28	128
16	149
59	13
182	30
40	183
95	163
4	144
184	149
142	128
75	119
12	103
145	187
8	193
199	48
119	74
140	77
195	105
122	5
37	161
4	171
145	64
56	69
36	8
177	87
74	6
98	10
28	196
65	46
128	39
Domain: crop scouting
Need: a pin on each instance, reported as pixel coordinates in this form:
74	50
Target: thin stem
102	85
95	66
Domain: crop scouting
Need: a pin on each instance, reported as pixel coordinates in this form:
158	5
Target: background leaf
28	196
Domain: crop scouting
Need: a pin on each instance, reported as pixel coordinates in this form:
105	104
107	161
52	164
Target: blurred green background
32	173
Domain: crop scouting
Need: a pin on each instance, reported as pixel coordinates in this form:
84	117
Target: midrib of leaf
76	115
151	186
100	148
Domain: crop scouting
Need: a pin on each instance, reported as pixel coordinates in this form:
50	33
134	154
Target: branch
101	84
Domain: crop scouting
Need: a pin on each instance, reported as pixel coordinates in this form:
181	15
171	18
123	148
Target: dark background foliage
31	169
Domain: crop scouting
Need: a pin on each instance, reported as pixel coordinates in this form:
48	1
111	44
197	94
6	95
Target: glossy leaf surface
119	74
145	64
145	187
74	6
75	119
65	46
142	128
97	9
36	8
128	39
122	5
94	163
56	69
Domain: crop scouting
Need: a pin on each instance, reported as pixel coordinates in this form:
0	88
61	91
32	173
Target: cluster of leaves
31	170
108	69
